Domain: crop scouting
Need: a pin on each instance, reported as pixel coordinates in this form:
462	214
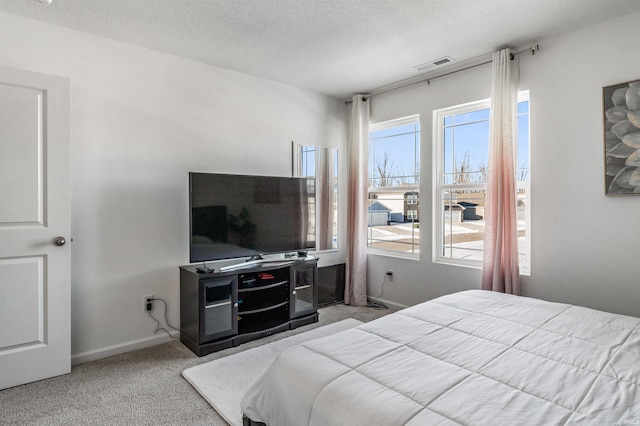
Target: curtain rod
532	49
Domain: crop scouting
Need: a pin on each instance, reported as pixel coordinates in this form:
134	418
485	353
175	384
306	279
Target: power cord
378	305
158	328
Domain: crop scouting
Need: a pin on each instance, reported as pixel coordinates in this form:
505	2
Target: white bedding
471	358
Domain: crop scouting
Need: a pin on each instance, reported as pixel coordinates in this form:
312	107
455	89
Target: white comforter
472	358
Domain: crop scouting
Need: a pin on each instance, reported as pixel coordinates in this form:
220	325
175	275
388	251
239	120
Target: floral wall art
622	138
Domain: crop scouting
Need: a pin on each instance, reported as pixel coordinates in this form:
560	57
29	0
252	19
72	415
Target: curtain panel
500	262
356	263
326	198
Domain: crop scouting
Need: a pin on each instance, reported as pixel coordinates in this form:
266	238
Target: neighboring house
402	206
412	206
378	214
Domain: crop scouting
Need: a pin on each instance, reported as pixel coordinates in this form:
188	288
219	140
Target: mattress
471	358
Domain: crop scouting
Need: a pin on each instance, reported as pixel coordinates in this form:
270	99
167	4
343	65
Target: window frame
439	186
413	119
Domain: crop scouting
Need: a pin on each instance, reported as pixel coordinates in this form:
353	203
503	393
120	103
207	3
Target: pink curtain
355	292
500	271
326	199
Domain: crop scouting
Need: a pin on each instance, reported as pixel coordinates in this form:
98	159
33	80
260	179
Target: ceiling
334	47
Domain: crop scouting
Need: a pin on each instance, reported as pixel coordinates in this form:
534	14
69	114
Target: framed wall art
621	107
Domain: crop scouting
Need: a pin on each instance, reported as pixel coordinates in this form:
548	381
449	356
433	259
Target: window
462	144
307	164
320	166
394	180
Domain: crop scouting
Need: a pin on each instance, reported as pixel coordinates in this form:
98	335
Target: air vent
435	63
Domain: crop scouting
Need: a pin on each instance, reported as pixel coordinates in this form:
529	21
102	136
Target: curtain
500	271
355	292
326	199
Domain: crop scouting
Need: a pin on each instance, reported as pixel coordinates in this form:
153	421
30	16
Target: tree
461	169
463	173
385	173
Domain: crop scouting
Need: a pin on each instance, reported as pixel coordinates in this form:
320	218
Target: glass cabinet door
220	308
303	290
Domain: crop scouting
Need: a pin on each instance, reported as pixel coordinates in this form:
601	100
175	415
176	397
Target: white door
35	326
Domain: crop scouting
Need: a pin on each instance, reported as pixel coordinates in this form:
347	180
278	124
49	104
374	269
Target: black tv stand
246	301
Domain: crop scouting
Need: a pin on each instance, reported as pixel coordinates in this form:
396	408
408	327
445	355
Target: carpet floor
142	387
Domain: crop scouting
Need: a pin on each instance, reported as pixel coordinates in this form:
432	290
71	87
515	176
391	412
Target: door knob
59	241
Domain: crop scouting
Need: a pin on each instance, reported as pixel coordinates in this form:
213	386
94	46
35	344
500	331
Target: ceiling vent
445	60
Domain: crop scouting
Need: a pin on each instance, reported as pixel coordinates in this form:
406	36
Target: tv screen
235	216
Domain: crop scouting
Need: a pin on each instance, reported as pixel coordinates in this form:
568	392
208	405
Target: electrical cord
158	328
378	305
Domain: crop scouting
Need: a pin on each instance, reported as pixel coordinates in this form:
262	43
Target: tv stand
246	301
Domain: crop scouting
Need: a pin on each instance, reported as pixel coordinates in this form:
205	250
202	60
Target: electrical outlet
148	302
390	275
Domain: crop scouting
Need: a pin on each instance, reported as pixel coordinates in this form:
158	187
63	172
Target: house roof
378	207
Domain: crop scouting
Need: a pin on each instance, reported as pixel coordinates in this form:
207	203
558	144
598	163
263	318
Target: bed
471	358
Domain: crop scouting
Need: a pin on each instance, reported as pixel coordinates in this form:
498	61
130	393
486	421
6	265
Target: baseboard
121	348
391	305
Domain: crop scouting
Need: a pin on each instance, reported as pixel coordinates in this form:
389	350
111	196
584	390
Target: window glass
394	178
462	148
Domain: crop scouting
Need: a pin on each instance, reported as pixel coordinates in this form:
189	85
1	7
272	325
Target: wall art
621	106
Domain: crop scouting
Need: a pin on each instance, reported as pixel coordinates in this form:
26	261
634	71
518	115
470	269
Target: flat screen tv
235	216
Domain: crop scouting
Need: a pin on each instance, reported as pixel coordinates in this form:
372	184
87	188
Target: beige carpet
223	382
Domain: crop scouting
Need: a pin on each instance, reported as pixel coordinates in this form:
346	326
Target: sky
465	134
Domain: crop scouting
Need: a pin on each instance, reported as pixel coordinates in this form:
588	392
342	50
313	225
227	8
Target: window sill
524	271
388	253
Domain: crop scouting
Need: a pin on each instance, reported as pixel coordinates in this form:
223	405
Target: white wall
140	121
585	245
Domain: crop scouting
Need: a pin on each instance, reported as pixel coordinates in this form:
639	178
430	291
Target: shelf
217	305
260	310
262	287
263	320
264	279
302	287
258	300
